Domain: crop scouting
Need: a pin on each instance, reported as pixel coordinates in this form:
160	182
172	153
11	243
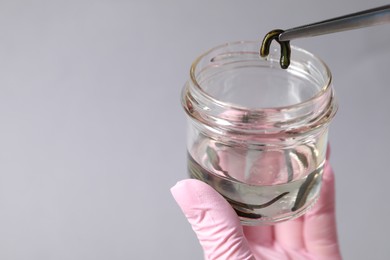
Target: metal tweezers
370	17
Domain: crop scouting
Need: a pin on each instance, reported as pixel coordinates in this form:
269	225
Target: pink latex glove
312	236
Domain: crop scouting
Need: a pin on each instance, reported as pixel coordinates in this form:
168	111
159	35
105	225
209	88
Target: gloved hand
312	236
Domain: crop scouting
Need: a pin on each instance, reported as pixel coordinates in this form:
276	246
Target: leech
248	215
303	159
269	203
252	206
284	47
305	189
214	160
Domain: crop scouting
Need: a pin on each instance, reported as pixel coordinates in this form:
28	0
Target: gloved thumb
214	221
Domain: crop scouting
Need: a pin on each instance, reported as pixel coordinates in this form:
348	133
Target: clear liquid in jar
286	190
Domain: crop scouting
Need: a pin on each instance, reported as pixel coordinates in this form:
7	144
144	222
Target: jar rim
323	89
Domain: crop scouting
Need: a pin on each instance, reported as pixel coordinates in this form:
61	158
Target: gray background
92	135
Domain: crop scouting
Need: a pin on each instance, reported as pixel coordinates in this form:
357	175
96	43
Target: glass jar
258	133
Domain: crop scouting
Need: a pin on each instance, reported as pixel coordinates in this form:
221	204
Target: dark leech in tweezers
284	47
305	189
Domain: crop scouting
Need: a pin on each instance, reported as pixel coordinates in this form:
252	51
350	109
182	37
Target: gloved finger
259	235
328	152
320	223
289	234
214	221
